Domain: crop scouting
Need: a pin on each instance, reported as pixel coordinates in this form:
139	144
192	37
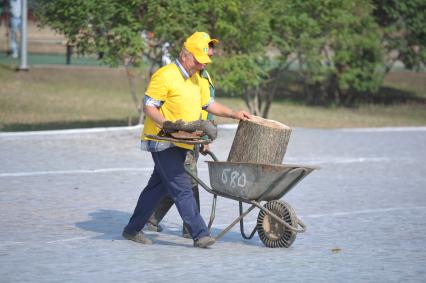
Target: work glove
208	128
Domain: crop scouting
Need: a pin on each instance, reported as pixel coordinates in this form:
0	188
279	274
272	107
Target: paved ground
65	197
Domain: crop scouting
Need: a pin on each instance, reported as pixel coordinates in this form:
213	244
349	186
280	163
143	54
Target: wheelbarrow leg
199	181
213	213
242	226
220	235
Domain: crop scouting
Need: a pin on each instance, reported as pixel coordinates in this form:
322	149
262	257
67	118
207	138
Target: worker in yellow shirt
174	93
207	88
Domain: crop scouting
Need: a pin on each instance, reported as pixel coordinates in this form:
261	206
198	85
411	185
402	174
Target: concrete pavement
66	195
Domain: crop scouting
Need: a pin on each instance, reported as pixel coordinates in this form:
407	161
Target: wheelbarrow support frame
254	203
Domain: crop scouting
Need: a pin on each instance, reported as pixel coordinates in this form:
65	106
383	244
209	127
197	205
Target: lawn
60	97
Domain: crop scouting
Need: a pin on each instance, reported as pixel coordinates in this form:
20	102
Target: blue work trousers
169	177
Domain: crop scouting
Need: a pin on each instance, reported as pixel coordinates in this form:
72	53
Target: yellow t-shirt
182	98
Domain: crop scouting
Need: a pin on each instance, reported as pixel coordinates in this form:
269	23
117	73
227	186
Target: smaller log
260	140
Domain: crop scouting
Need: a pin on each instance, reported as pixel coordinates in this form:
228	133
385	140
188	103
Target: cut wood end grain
267	123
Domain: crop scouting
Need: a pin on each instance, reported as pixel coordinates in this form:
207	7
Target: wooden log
260	140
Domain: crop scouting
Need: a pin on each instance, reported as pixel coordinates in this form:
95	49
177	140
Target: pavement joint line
220	225
7	243
348	160
89	171
384	129
202	169
364	211
69	239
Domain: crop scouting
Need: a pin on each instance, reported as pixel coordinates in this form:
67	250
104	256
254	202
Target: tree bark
260	140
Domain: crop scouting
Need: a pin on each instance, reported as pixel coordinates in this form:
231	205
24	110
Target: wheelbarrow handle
212	155
302	225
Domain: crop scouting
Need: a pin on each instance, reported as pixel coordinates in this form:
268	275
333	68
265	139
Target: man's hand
204	148
221	110
241	115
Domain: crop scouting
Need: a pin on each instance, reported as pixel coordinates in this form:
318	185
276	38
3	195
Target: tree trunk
260	140
131	78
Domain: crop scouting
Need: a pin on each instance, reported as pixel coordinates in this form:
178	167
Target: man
15	24
173	94
192	155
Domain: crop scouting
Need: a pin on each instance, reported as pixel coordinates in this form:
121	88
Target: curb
90	130
222	126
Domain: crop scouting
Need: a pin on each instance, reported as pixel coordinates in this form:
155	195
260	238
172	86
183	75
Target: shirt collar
203	74
182	70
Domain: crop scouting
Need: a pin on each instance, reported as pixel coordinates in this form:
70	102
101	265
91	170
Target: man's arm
153	113
221	110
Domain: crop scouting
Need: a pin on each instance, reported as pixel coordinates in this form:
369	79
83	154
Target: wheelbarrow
252	183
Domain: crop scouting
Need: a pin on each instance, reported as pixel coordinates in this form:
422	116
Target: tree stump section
260	140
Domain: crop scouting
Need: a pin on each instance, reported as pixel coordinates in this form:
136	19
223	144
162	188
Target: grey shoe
204	242
153	227
138	237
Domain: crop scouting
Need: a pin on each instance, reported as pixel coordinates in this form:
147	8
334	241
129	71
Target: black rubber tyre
272	233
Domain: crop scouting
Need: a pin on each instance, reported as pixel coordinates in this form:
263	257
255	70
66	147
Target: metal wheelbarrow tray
252	183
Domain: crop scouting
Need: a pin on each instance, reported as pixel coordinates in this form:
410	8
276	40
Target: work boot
152	227
204	242
138	237
186	234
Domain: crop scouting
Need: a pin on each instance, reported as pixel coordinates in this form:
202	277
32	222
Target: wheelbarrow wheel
272	233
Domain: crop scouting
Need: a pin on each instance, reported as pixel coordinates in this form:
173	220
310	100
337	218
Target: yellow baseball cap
198	45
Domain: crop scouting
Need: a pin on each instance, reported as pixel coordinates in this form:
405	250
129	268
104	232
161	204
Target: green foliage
111	27
238	73
335	43
128	31
169	21
243	28
404	30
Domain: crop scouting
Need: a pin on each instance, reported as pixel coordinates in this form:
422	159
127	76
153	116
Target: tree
335	44
404	33
243	28
127	31
124	31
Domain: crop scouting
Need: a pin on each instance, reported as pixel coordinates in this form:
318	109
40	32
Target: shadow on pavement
110	223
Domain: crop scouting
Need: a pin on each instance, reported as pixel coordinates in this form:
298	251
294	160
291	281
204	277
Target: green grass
50	98
61	97
50	59
369	115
